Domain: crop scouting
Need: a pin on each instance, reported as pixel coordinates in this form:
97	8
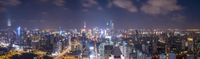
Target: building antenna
85	25
9	22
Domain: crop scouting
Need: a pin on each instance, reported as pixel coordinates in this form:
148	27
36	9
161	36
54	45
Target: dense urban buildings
97	43
99	29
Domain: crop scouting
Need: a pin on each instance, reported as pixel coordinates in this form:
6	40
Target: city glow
190	39
91	48
99	29
19	31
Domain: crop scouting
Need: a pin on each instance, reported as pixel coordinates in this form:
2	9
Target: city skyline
99	29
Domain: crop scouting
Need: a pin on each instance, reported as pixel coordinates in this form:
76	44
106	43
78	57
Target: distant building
101	51
107	51
198	58
172	56
110	24
141	55
190	56
9	23
3	50
162	56
149	57
116	52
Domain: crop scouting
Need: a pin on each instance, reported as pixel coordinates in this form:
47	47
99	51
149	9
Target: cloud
87	4
10	2
43	0
59	2
14	2
152	7
4	3
2	8
157	7
124	4
55	2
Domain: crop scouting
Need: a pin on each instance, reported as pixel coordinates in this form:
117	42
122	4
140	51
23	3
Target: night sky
124	13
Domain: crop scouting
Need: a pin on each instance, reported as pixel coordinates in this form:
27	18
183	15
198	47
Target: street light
91	48
92	56
190	39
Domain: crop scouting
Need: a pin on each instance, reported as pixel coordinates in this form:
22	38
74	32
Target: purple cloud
4	3
14	2
157	7
124	4
59	2
87	4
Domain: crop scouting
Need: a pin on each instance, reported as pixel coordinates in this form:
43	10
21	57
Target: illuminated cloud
124	4
2	8
152	7
4	3
10	2
87	4
55	2
59	2
157	7
14	2
44	0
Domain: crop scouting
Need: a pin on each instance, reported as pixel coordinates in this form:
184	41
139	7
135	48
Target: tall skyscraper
110	24
19	31
9	23
85	25
172	56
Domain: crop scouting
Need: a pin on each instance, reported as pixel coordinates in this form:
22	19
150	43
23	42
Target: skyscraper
9	23
172	56
110	24
85	25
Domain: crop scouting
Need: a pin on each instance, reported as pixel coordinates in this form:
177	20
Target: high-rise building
107	51
162	56
172	56
190	56
85	25
110	24
9	23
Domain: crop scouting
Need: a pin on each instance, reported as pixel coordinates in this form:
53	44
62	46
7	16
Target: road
63	53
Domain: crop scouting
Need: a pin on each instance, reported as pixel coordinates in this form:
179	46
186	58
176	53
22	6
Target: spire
109	23
19	31
9	23
85	25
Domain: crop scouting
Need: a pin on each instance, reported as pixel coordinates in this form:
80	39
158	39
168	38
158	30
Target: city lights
19	31
91	48
99	29
190	39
